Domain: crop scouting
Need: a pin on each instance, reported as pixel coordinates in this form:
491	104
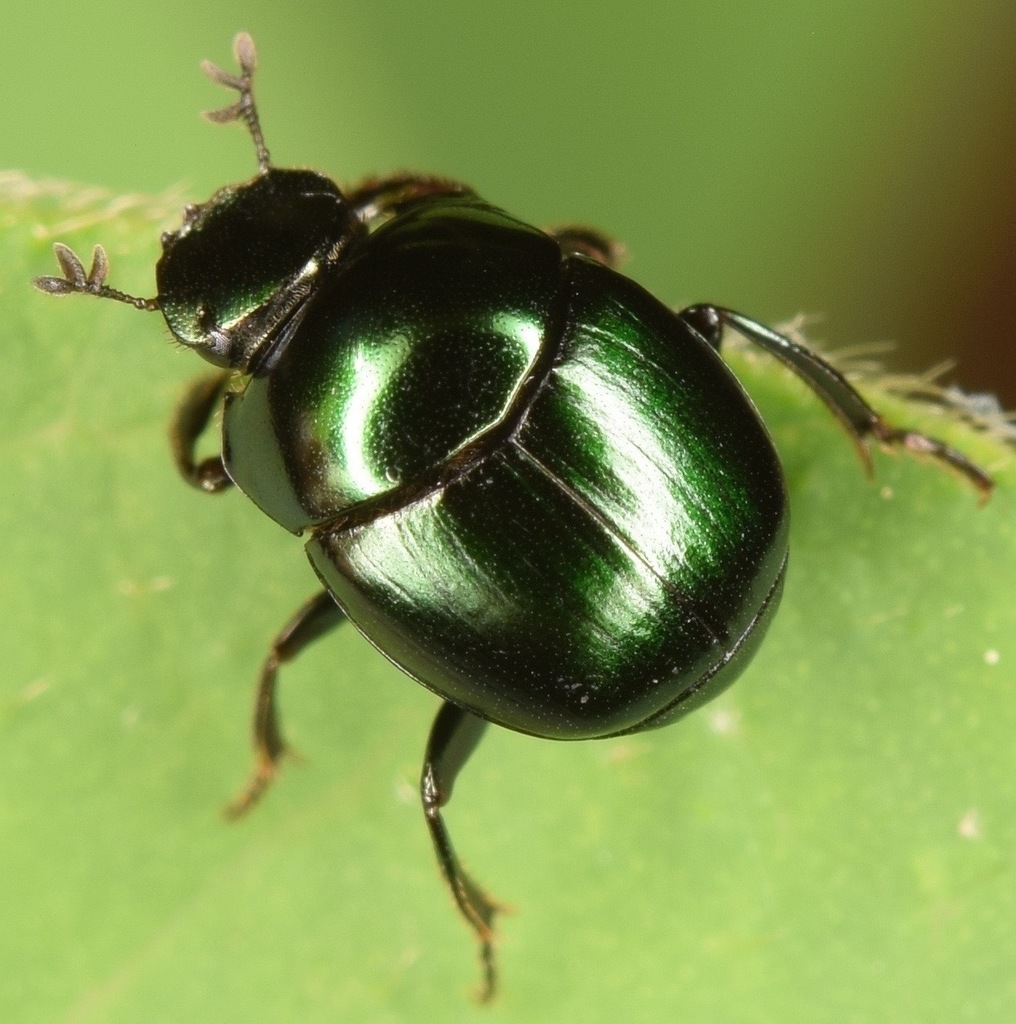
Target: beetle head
242	263
240	266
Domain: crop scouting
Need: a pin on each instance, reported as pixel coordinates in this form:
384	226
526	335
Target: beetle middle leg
453	737
859	419
315	618
190	421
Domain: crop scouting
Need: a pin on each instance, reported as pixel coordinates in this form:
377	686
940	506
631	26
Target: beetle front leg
319	615
453	738
189	422
860	419
377	197
583	241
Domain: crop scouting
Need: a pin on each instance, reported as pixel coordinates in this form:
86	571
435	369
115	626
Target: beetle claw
265	771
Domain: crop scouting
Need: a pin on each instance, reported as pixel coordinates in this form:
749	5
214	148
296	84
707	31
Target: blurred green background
832	841
851	160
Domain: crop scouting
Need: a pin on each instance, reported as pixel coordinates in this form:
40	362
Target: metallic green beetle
529	484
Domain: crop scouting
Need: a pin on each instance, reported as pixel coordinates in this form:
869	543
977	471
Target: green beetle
530	485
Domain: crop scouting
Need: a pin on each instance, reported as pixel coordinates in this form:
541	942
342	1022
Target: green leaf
832	840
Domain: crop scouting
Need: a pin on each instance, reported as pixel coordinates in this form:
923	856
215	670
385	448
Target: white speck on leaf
724	722
969	826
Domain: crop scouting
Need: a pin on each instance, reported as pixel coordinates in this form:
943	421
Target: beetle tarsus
312	620
476	906
488	985
453	737
859	419
922	445
264	775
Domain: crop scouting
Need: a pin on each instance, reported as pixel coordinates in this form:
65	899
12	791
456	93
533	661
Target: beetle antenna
245	108
93	283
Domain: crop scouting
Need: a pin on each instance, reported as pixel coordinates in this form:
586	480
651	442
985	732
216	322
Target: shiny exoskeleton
528	483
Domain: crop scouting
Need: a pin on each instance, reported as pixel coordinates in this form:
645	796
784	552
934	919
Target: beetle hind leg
315	618
860	420
453	737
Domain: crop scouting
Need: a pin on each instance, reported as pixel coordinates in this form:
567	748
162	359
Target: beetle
530	485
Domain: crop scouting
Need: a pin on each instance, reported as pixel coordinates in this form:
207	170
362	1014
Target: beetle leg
189	422
453	737
859	419
582	241
379	197
312	620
